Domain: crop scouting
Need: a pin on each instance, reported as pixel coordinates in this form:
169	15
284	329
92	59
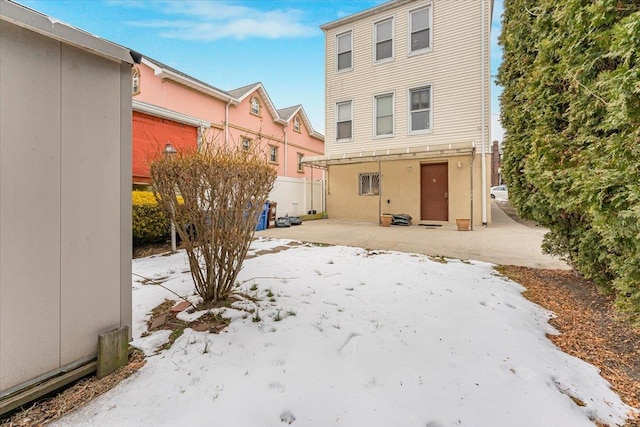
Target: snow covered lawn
356	338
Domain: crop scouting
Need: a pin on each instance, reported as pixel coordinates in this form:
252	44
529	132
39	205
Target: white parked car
500	192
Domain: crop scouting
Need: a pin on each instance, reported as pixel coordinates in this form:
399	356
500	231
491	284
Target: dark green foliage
571	111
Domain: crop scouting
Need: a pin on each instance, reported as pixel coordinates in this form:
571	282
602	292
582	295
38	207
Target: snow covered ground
355	338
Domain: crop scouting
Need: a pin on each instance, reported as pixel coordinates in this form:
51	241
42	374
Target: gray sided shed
65	196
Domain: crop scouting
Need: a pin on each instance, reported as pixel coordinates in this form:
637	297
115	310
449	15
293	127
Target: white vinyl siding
383	108
383	40
344	52
420	30
420	109
344	121
452	70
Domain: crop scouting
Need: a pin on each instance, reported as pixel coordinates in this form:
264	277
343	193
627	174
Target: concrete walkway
505	241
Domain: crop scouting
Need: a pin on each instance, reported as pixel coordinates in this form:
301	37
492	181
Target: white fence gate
298	196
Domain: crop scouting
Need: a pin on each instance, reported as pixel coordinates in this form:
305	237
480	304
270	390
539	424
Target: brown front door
434	190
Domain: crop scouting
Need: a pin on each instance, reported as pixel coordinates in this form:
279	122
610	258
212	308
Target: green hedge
150	224
571	111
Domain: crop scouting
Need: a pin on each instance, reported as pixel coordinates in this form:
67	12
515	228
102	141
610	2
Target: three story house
407	112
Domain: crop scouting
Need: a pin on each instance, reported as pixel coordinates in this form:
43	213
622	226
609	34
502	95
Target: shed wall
65	132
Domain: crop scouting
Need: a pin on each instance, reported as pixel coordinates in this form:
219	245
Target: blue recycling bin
262	219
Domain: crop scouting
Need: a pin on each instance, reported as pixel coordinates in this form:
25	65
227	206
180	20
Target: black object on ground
288	221
401	219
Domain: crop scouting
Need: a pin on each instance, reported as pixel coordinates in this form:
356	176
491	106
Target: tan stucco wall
400	185
65	206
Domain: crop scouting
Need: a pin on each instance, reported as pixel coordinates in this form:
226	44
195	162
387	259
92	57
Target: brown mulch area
141	251
589	327
46	410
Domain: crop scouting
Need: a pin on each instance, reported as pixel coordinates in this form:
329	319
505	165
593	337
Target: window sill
346	70
383	61
344	140
385	136
420	132
419	52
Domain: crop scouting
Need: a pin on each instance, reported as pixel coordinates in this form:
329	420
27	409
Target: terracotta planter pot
463	224
385	220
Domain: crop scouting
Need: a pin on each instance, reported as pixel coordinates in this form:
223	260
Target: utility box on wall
65	196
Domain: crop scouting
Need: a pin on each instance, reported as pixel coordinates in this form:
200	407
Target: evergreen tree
571	112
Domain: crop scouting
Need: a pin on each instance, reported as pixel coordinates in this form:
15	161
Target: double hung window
384	114
343	49
420	109
420	37
344	121
384	39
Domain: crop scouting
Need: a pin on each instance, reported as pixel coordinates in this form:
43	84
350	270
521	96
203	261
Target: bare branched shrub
223	191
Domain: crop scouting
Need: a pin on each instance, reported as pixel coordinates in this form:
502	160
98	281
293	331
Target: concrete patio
505	241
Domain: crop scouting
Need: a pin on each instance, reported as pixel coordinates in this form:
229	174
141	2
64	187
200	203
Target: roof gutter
154	110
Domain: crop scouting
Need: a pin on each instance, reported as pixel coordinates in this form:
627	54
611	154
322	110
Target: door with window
434	192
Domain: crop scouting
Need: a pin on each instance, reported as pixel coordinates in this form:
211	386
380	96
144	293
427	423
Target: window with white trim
273	154
344	123
300	165
384	39
420	109
369	184
255	106
343	51
296	124
384	114
246	144
420	30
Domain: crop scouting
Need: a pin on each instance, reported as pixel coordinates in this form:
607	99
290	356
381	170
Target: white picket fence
298	196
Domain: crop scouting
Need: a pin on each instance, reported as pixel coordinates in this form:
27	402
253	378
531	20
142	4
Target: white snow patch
356	338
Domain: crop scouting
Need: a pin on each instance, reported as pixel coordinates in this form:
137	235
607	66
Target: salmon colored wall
173	96
150	134
242	124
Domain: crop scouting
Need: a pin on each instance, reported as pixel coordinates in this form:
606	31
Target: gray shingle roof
241	91
287	113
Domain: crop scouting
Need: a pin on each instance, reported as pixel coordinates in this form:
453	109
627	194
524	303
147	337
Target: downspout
323	199
226	123
379	192
312	190
286	152
473	155
483	150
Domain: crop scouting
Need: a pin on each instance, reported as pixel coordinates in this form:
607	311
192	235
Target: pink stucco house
172	107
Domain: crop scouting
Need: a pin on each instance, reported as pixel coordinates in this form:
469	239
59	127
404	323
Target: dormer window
296	124
255	106
135	81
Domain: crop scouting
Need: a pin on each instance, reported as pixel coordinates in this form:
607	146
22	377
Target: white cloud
207	21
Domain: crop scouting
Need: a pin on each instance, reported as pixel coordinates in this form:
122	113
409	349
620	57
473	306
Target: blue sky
230	44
